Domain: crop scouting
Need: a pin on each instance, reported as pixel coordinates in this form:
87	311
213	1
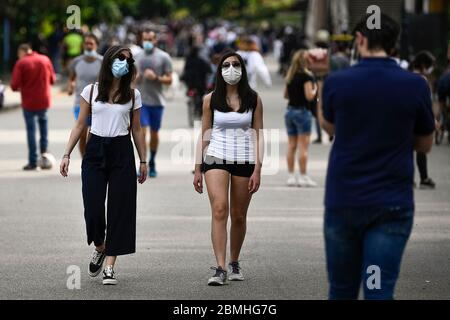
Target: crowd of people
375	112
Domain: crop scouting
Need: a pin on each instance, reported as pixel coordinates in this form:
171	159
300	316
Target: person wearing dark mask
108	168
83	71
155	70
423	64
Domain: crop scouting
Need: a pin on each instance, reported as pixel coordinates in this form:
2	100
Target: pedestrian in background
254	63
231	124
301	89
33	76
84	70
443	92
379	114
423	64
109	164
155	70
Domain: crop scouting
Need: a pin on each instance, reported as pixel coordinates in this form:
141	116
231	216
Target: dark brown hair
105	79
247	95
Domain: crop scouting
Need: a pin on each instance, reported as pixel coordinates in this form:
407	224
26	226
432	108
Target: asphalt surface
43	232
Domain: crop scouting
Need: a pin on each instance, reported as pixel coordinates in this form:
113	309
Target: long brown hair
299	64
105	78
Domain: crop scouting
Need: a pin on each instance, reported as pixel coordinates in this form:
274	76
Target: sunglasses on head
123	57
235	64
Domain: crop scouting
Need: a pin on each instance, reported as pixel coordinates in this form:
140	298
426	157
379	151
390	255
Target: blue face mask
148	46
90	53
119	68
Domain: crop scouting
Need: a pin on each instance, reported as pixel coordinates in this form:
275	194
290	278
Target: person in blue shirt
379	114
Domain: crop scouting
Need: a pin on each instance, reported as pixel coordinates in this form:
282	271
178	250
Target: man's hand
70	89
150	75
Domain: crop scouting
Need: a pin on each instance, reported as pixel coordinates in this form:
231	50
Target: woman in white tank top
231	124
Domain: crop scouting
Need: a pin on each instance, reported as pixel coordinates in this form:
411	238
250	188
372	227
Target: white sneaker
302	181
291	181
308	182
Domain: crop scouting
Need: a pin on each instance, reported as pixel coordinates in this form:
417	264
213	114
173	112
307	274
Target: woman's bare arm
205	135
79	126
258	126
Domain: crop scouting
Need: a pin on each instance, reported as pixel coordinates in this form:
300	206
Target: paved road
42	226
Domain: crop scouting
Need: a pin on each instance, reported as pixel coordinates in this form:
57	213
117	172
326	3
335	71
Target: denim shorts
298	121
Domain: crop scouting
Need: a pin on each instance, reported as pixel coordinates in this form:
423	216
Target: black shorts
239	169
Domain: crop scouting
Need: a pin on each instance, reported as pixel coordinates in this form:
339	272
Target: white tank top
232	137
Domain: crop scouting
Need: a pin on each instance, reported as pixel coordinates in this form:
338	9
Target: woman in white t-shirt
109	163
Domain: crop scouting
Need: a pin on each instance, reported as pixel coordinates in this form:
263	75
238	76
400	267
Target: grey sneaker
108	276
219	278
96	264
235	273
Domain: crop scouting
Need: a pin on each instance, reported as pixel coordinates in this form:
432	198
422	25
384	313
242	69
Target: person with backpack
231	141
109	164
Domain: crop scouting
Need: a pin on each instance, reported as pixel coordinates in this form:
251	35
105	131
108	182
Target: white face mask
232	75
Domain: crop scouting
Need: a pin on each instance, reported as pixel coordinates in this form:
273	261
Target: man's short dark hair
92	36
383	38
25	47
423	60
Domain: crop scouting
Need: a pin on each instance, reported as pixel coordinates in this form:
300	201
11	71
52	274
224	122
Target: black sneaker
234	272
219	278
96	264
31	167
152	171
427	184
108	276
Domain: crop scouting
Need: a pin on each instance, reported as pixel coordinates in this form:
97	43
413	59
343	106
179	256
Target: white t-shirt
110	119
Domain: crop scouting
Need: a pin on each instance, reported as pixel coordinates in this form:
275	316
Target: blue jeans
30	122
356	239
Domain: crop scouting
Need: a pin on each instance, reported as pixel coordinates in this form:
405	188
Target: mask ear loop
354	56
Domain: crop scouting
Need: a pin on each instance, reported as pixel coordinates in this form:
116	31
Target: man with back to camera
379	114
155	70
33	76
